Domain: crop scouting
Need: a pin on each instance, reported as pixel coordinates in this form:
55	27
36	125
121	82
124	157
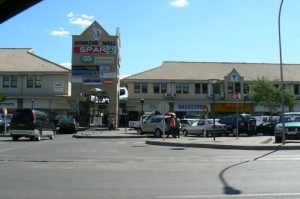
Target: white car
204	127
154	125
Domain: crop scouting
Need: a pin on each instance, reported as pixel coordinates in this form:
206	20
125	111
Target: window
178	88
217	89
30	81
5	81
144	87
14	81
38	81
230	87
156	87
197	88
246	88
204	88
163	87
137	87
237	87
185	88
296	89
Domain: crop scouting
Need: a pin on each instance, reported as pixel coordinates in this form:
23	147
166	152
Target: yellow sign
231	107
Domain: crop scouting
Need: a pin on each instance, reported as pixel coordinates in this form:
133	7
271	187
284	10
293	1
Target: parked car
154	125
246	123
134	124
204	127
187	121
5	120
292	127
268	127
31	124
66	125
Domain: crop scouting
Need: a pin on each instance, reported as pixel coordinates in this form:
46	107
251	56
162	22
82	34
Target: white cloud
60	33
66	65
179	3
82	20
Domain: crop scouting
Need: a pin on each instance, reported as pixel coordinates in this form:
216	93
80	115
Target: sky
154	31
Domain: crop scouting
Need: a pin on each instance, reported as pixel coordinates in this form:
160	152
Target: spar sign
95	49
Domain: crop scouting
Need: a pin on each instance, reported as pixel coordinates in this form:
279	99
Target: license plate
21	125
291	132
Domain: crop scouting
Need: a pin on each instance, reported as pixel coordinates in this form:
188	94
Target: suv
291	125
154	124
246	123
31	124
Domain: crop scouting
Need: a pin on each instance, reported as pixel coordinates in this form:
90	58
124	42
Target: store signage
85	68
76	79
108	75
95	49
190	107
8	104
86	43
58	84
234	77
91	81
86	59
104	61
84	72
104	68
108	81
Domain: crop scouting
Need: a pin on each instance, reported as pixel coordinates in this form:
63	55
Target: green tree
2	97
267	93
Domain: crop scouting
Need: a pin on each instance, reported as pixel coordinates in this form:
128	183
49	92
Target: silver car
154	125
204	127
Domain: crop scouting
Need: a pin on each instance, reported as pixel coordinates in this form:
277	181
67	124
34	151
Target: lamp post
281	76
32	102
142	103
213	82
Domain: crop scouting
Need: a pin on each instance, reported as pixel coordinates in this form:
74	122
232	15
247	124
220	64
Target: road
70	168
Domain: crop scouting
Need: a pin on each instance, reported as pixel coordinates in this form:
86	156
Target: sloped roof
191	71
24	60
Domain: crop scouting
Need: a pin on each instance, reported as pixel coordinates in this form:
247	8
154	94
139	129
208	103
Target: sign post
5	114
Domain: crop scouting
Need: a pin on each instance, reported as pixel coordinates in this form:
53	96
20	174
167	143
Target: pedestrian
172	126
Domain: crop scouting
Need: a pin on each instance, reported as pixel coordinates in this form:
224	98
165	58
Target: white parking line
233	196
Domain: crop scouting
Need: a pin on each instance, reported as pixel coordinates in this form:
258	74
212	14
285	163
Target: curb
109	136
226	146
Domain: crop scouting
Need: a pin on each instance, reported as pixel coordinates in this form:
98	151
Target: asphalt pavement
242	142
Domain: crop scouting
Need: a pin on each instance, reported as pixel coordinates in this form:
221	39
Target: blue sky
153	31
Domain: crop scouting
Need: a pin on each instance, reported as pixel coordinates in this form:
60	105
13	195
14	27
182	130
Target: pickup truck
136	124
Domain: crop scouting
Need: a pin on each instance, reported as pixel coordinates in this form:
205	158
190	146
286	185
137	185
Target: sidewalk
242	143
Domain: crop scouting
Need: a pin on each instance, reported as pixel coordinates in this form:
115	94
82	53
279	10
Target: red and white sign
108	81
95	49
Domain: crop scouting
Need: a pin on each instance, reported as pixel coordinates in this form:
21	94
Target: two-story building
30	81
186	87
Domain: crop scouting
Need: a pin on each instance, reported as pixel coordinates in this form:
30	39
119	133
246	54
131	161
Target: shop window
197	88
156	87
144	87
5	81
163	87
185	88
217	89
178	88
204	88
14	81
246	88
137	87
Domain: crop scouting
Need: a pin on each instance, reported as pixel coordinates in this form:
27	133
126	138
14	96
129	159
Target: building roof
178	71
23	60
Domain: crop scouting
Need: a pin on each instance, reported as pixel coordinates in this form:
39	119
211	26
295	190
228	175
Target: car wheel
157	133
38	137
278	139
185	132
15	138
140	131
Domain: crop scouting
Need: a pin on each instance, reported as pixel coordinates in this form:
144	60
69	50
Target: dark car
246	124
66	125
33	124
267	128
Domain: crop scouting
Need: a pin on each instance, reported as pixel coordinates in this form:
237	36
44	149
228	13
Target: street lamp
213	82
142	103
32	102
281	76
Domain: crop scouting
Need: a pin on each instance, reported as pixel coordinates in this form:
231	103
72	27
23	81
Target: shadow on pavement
229	190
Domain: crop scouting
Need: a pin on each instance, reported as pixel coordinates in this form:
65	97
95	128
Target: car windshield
291	118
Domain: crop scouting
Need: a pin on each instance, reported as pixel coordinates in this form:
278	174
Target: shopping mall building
186	87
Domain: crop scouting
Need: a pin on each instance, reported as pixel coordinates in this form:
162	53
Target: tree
2	97
267	93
